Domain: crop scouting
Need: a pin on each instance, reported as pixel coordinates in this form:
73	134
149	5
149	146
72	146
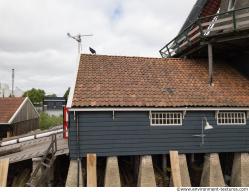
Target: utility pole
13	78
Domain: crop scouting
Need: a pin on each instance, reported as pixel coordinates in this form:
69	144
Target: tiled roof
117	81
8	106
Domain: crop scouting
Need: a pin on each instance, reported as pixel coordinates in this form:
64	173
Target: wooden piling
112	176
91	170
4	167
175	169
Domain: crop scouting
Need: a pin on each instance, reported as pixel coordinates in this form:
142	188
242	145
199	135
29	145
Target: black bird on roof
92	51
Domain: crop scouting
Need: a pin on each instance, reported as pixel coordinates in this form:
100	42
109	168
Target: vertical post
175	168
13	77
210	63
164	165
91	170
234	21
4	167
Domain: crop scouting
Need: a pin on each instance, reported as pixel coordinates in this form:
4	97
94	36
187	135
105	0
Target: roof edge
19	109
164	109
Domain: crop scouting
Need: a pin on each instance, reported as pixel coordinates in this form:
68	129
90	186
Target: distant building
17	116
5	91
54	105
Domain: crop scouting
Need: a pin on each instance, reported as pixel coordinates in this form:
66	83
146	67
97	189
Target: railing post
234	21
200	28
168	51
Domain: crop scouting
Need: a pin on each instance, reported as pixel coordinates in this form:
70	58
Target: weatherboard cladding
118	81
130	133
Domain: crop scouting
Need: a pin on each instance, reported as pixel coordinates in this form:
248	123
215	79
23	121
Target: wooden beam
175	168
210	63
91	170
4	166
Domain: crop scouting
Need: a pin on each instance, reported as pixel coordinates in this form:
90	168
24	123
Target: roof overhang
165	109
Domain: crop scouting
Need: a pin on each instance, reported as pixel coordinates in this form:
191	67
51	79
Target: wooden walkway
206	28
34	148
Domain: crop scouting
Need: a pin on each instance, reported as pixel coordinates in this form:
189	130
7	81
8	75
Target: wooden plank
217	22
175	168
4	166
91	170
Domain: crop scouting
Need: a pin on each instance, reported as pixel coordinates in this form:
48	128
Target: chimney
13	78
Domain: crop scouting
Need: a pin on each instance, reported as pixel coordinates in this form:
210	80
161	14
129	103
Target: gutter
164	109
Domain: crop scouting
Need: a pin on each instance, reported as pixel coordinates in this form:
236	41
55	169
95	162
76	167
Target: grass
47	121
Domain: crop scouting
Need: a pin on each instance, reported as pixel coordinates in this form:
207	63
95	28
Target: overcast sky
33	35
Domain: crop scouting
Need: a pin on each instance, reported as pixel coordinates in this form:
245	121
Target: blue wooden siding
130	133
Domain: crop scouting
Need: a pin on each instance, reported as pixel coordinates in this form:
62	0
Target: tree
35	95
67	93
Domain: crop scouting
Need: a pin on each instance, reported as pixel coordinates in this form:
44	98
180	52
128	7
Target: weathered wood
72	175
146	176
185	179
10	151
4	167
212	175
175	168
21	179
112	176
91	170
240	170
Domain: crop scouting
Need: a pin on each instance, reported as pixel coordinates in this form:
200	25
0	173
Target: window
231	118
231	5
165	118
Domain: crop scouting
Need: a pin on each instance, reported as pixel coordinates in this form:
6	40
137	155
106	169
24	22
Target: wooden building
54	105
137	106
17	116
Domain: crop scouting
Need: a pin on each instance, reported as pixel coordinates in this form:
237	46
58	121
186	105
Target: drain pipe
210	63
78	144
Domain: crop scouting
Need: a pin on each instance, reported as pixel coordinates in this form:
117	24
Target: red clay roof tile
118	81
8	106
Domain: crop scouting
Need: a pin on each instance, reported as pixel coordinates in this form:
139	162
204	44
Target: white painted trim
244	118
164	109
19	109
72	88
156	125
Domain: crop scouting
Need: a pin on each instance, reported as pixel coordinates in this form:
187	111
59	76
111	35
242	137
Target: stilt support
240	171
112	176
4	167
72	176
91	170
179	170
146	176
212	174
185	179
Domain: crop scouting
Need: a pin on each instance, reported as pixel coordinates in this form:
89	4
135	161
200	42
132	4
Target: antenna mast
78	38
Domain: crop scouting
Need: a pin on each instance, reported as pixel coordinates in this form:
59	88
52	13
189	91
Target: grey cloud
33	35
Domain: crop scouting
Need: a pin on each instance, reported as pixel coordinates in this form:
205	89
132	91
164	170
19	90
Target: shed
142	106
17	116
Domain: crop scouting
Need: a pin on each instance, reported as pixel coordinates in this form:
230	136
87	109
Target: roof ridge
139	57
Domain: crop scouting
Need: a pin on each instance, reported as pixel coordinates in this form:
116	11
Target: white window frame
231	118
164	116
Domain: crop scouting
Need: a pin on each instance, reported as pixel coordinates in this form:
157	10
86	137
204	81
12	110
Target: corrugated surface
116	81
130	133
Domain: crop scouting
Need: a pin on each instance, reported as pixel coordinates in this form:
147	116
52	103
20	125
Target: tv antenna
78	38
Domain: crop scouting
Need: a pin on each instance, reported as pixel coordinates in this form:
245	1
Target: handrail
174	46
